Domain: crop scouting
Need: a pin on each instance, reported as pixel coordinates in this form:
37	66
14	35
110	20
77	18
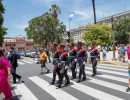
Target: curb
112	63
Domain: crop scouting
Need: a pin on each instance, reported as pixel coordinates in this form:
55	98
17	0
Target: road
110	84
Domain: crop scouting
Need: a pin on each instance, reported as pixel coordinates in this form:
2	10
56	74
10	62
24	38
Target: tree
98	34
55	10
2	28
122	31
94	11
46	28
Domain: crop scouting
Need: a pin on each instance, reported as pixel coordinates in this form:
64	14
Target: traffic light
68	33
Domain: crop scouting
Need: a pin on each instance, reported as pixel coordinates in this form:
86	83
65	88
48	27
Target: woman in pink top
4	75
128	54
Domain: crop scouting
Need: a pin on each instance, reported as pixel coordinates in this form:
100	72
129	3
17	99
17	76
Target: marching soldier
56	55
64	66
94	58
72	54
81	60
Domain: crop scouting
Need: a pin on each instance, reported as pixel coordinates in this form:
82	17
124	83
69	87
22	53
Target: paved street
110	84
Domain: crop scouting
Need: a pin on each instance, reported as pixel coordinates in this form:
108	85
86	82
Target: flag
71	15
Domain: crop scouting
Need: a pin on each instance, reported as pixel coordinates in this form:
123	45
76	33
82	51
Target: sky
19	12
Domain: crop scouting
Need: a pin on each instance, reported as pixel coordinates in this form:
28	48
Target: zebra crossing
104	86
26	61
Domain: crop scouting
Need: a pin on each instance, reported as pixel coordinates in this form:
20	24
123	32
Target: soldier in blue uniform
72	54
56	55
81	60
64	67
94	58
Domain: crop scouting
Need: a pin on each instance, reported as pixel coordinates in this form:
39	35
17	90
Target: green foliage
46	28
98	34
122	31
2	29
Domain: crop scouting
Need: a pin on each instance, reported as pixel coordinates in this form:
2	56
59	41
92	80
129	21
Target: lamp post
94	11
113	37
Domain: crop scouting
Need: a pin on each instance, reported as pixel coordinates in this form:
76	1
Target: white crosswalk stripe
108	71
20	63
113	68
59	94
88	90
116	66
25	93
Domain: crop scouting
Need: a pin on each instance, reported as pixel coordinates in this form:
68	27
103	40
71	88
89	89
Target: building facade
117	17
20	43
77	33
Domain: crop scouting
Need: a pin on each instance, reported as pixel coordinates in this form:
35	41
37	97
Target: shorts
43	63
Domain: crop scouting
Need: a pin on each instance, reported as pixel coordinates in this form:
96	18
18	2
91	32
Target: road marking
110	77
117	66
20	63
91	91
23	92
112	72
32	60
27	62
56	93
113	68
106	84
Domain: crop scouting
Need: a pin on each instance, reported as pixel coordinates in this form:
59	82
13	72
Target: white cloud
23	24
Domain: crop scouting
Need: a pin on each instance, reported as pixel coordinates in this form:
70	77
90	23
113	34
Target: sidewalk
113	62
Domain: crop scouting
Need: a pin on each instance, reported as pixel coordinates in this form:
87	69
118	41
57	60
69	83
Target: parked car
33	53
27	53
22	53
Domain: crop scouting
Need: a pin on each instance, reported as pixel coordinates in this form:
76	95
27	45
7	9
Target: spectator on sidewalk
119	52
14	65
128	54
104	52
43	60
123	52
4	76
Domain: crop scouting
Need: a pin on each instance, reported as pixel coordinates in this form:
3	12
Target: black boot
67	80
60	81
78	81
84	78
53	80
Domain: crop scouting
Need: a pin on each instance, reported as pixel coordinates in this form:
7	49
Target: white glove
66	67
84	63
75	60
97	59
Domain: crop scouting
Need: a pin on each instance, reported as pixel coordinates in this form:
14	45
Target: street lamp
113	20
94	11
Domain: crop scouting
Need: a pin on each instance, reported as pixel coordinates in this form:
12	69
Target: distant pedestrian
104	53
119	52
14	65
4	76
128	54
48	55
123	52
43	60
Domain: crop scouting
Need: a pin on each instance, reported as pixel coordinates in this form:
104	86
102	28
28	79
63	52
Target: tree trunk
94	11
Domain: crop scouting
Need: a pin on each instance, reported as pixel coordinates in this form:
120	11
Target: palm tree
55	10
93	2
